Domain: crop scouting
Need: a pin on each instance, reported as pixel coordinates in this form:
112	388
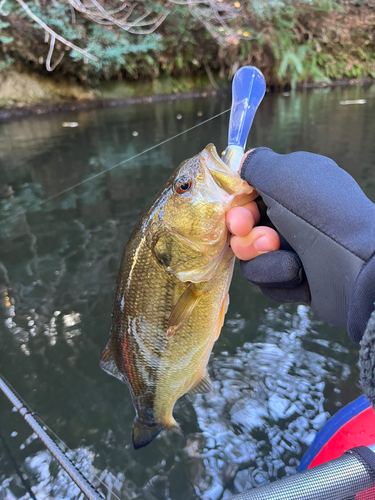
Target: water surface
278	371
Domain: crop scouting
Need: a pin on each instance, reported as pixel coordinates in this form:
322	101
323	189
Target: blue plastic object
333	425
248	89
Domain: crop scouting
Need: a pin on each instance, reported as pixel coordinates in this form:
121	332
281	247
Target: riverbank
40	97
295	43
41	109
22	93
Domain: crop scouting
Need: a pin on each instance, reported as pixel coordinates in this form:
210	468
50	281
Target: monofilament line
94	176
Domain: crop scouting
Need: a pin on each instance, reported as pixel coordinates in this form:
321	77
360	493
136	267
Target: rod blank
76	476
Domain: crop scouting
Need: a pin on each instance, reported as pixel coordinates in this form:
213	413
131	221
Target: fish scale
172	290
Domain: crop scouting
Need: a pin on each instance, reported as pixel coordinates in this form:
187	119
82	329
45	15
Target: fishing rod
79	479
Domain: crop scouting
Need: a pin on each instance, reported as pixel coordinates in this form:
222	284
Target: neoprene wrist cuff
362	300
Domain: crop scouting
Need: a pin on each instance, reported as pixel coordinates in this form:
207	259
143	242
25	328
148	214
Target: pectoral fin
183	309
203	386
222	313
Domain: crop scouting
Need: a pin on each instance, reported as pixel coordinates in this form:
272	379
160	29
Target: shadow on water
278	371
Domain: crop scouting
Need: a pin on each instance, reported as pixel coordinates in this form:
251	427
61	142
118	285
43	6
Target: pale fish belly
183	364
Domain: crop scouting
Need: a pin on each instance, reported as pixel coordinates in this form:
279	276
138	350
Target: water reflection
278	372
267	405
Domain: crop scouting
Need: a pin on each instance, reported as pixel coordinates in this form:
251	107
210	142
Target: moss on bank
21	89
25	89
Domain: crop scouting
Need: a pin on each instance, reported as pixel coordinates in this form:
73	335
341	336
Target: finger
254	209
241	220
260	240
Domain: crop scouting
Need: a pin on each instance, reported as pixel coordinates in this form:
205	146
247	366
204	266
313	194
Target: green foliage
290	33
6	63
3	37
115	49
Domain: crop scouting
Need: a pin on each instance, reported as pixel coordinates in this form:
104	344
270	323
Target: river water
278	372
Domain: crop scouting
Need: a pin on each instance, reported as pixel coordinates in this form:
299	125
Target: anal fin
203	386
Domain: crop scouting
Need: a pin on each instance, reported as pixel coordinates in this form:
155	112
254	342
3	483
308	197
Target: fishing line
25	409
42	202
95	176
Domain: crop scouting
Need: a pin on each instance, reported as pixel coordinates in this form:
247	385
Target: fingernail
262	244
229	226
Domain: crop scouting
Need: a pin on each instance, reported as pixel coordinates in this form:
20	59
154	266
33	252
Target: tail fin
177	429
143	433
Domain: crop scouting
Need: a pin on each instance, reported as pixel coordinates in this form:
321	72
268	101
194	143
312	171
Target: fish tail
144	433
173	426
177	429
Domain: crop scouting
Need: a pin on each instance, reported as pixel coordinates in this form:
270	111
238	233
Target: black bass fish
172	291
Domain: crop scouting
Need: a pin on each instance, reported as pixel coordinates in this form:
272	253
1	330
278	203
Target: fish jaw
227	190
189	235
228	180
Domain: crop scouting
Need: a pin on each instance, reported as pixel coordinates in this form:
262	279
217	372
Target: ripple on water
266	406
265	409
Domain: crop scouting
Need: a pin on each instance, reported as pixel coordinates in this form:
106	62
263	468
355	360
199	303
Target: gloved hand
326	226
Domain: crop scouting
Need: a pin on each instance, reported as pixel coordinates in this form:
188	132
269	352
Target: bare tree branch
217	16
49	56
73	13
53	34
99	14
210	76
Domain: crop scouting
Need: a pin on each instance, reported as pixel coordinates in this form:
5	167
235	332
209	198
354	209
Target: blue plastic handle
248	88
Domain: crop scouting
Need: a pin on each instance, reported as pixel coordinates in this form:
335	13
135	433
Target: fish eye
182	185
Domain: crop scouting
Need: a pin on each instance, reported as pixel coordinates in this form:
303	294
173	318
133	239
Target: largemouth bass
172	291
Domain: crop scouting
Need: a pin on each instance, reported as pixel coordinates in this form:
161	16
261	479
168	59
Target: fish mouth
237	191
224	177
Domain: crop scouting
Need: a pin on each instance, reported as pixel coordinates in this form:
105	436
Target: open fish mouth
225	178
235	192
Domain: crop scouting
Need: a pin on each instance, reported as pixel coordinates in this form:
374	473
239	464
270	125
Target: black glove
327	230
